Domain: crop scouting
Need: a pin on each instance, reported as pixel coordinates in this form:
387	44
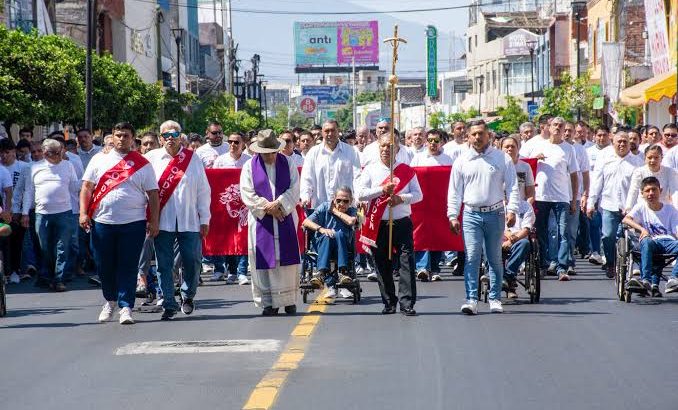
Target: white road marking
200	346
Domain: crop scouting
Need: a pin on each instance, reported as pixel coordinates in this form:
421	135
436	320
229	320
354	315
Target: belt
488	208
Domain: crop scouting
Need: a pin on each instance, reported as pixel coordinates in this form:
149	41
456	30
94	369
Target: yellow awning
653	89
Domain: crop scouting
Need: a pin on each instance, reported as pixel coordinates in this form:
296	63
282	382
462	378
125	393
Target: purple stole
265	244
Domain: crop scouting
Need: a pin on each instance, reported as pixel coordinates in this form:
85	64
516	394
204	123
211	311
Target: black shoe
187	306
388	310
656	293
269	311
610	272
59	287
168	314
408	311
291	309
42	282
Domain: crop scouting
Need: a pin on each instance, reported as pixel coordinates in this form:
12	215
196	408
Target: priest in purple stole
269	187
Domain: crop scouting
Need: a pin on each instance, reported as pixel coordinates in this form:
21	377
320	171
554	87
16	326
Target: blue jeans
554	240
561	212
116	250
54	233
73	256
583	234
483	230
190	249
428	260
516	256
237	264
649	247
595	231
572	228
329	248
611	231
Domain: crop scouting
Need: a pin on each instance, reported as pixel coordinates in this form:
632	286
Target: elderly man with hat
269	185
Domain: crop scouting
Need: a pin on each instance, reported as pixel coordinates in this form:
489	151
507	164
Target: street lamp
531	45
577	7
507	67
178	36
480	98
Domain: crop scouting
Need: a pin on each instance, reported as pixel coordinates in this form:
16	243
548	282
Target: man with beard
214	147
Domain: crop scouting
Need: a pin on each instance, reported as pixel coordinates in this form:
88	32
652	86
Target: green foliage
463	115
571	95
627	115
42	80
278	121
221	108
512	116
438	120
344	114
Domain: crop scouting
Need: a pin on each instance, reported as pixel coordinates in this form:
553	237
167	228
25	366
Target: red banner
228	225
429	217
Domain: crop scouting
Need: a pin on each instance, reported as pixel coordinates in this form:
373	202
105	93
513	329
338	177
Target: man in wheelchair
333	223
657	224
516	246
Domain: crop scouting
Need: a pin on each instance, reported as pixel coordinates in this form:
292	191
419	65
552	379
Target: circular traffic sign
308	105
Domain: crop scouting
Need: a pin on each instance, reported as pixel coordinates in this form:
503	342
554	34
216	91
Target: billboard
326	46
515	44
327	94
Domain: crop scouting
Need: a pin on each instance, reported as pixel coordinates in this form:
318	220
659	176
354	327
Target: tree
571	96
438	120
344	114
512	116
221	108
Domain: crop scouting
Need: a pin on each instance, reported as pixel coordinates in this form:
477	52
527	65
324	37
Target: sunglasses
173	134
434	140
52	153
669	135
233	142
341	201
216	132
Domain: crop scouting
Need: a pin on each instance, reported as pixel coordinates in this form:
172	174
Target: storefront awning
654	89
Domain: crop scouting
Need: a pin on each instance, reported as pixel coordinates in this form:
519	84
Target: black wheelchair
3	294
530	281
309	266
628	253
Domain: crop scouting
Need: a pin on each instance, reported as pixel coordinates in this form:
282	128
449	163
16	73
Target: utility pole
355	94
229	48
578	6
91	27
158	42
178	38
531	44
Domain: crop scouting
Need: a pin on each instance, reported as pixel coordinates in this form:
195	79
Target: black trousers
404	245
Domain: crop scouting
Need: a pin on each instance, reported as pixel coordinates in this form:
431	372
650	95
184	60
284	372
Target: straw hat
266	143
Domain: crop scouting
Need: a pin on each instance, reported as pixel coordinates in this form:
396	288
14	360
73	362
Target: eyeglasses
52	153
434	140
342	201
233	142
216	132
173	134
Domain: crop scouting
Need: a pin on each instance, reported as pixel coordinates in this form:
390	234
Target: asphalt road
579	349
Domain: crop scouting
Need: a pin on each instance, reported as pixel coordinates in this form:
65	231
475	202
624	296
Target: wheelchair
531	280
309	263
3	294
628	253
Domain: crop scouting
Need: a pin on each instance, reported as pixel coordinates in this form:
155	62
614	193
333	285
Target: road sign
308	106
431	62
532	109
462	86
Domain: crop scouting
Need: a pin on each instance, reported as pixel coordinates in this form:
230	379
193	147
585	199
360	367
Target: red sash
172	175
402	175
121	172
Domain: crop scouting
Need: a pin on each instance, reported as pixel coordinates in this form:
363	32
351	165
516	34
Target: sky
271	36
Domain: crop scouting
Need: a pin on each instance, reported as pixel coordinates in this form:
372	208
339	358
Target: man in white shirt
236	264
50	186
329	166
651	136
305	143
185	195
669	141
581	134
427	261
517	246
417	141
373	185
556	181
458	137
120	220
583	181
544	135
288	150
86	148
600	147
208	153
611	182
657	223
526	131
481	179
11	173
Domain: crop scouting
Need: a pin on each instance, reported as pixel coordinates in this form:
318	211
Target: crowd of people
134	209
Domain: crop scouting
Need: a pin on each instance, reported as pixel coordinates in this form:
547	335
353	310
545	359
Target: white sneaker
126	316
207	268
671	285
159	302
242	280
636	272
106	312
359	270
331	293
470	307
345	293
596	259
495	306
372	276
436	277
14	278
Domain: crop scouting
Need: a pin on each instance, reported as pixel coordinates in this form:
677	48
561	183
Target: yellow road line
265	393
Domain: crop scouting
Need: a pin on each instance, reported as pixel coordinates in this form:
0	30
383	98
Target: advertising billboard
331	46
327	95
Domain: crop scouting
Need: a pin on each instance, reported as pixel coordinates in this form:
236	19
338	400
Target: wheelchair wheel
621	271
483	287
532	271
3	297
304	295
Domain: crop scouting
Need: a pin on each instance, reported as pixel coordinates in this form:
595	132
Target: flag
228	224
429	217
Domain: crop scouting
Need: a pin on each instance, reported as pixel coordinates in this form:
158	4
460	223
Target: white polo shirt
227	161
208	154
